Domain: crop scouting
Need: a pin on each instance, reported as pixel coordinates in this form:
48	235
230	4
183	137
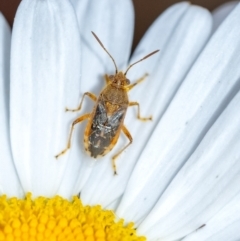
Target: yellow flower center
55	219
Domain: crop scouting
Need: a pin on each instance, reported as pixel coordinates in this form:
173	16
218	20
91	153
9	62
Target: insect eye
128	81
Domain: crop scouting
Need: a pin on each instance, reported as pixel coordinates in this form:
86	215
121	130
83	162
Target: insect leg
138	114
90	95
129	87
128	135
81	118
107	79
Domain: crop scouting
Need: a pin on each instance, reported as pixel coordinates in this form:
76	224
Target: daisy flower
179	180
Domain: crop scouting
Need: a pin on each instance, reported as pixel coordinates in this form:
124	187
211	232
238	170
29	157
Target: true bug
106	120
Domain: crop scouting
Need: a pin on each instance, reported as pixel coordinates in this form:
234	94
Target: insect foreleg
81	118
90	95
128	135
138	113
129	87
107	79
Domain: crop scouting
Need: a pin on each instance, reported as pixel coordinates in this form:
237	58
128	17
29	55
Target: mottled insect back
106	121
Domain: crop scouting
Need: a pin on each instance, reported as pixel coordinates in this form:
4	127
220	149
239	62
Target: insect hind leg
128	135
78	120
90	95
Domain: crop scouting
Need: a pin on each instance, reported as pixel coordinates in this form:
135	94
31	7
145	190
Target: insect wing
104	130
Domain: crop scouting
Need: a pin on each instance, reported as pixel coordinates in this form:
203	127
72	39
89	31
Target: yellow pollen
56	219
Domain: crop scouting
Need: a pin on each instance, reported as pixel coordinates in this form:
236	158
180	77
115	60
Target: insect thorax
115	95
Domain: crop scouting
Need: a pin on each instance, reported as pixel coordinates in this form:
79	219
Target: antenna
154	52
96	37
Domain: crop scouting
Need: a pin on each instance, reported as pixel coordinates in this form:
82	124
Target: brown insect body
104	125
105	122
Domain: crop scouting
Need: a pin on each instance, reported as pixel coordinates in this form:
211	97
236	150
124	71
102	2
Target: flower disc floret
56	219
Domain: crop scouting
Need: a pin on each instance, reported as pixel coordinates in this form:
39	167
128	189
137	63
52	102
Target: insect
105	122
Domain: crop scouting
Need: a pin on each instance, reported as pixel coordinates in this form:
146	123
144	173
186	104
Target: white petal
117	18
112	21
220	13
44	79
157	37
9	182
223	226
208	181
114	204
103	187
74	2
198	102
